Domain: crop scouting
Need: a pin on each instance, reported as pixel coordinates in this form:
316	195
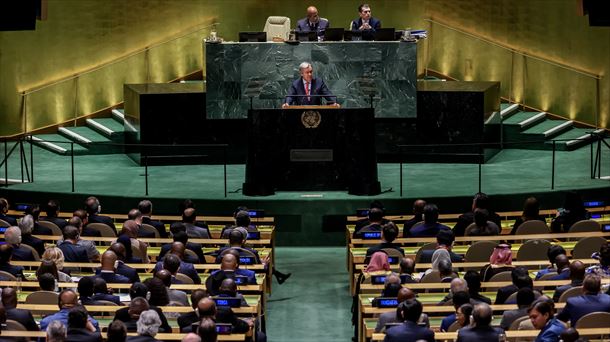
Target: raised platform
307	218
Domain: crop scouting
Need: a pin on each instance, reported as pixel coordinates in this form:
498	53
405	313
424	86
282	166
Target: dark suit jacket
563	275
505	292
91	232
113	278
122	315
195	247
73	253
102	219
107	297
185	268
383	245
410	223
17	271
40	230
128	272
22	254
467	218
320	26
145	234
141	338
24	317
427	230
35	242
61	223
82	335
9	219
157	224
186	320
373	22
254	251
318	87
371	227
479	334
578	306
225	314
426	256
408	332
563	288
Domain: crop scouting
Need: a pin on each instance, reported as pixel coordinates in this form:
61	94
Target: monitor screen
606	228
362	212
3	229
241	280
307	36
257	213
376	280
252	36
232	302
246	260
386	302
371	235
224	328
254	235
590	204
384	34
393	260
23	206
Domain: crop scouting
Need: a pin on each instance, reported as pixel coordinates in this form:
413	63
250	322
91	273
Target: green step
517	118
503	106
544	126
61	141
110	123
574	133
87	133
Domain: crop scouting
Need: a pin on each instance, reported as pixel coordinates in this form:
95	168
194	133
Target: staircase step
508	109
109	127
119	114
549	128
575	138
57	143
82	134
524	119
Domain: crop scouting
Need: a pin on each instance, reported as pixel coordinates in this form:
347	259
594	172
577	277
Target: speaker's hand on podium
285	105
336	105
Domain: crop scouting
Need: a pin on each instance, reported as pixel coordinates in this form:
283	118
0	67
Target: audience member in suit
418	212
481	329
525	297
92	253
463	314
228	269
146	208
458	299
122	268
570	335
409	331
563	268
79	328
242	220
186	320
365	22
27	225
86	231
501	260
389	232
482	225
445	270
541	315
108	270
375	222
573	211
130	229
551	253
430	227
520	279
473	279
577	276
366	221
228	288
12	236
140	290
237	241
158	295
100	290
136	216
85	290
306	85
313	22
38	229
6	253
189	218
52	210
590	301
444	240
206	331
480	201
72	251
407	267
395	316
603	268
187	203
9	300
185	267
181	236
391	286
175	296
147	326
94	208
117	332
171	263
457	285
4	206
48	266
531	212
136	307
67	300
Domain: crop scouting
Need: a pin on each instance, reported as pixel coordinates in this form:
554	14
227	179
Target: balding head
9	298
592	284
407	266
71	233
189	215
165	276
76	222
135	215
229	262
67	299
577	270
130	228
404	294
12	235
562	262
108	260
228	287
482	315
418	207
137	306
206	308
392	279
178	249
459	285
119	250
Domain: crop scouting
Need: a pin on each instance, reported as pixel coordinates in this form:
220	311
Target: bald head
228	286
562	262
418	207
108	260
404	294
206	308
482	315
165	276
229	262
130	228
67	299
136	307
312	14
178	249
189	215
407	266
9	298
577	270
119	250
392	279
459	285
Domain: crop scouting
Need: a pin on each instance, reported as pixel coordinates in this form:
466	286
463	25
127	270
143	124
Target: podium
311	148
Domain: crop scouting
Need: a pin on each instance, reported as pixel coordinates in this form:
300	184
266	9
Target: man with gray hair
27	226
308	90
481	329
56	332
12	236
148	326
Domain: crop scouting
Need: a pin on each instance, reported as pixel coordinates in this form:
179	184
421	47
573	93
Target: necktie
307	90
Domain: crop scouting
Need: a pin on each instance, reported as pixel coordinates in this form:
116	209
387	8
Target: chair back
55	230
515	324
34	252
43	297
585	247
14	325
502	276
7	276
393	252
512	298
585	226
569	293
427	247
454	327
191	253
104	229
184	278
432	277
277	27
105	303
4	224
533	250
149	229
533	227
593	320
480	251
546	276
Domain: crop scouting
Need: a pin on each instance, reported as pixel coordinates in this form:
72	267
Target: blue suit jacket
407	332
73	253
578	306
551	331
320	26
564	275
479	334
318	87
108	297
185	268
9	219
112	277
375	24
17	271
427	230
128	272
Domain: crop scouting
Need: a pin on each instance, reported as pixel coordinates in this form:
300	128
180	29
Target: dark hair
6	251
158	292
460	298
3	205
466	311
531	208
375	215
138	290
34	210
177	227
411	310
573	203
524	281
207	330
99	285
242	219
570	335
407	265
46	282
554	251
196	296
181	236
525	296
235	236
473	279
604	254
77	318
145	207
70	233
171	262
52	208
363	6
390	231
518	272
85	287
391	290
47	266
544	306
480	217
126	242
445	237
430	213
187	203
377	204
481	200
117	332
592	284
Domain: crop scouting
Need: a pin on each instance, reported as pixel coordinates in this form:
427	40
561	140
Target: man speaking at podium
308	91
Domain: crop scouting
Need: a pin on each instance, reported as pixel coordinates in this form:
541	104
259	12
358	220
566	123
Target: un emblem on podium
311	118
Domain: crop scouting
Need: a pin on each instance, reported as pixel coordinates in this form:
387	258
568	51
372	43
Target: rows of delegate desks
255	295
430	294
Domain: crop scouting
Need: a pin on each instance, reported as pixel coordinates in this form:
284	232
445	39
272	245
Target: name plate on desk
317	155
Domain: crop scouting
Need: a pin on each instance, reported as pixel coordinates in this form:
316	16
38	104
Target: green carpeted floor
314	303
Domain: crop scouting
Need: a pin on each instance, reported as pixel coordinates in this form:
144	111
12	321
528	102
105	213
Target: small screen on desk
256	235
256	213
246	260
241	280
223	328
606	228
393	260
232	302
596	216
371	235
22	206
3	229
387	302
378	279
362	212
590	204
